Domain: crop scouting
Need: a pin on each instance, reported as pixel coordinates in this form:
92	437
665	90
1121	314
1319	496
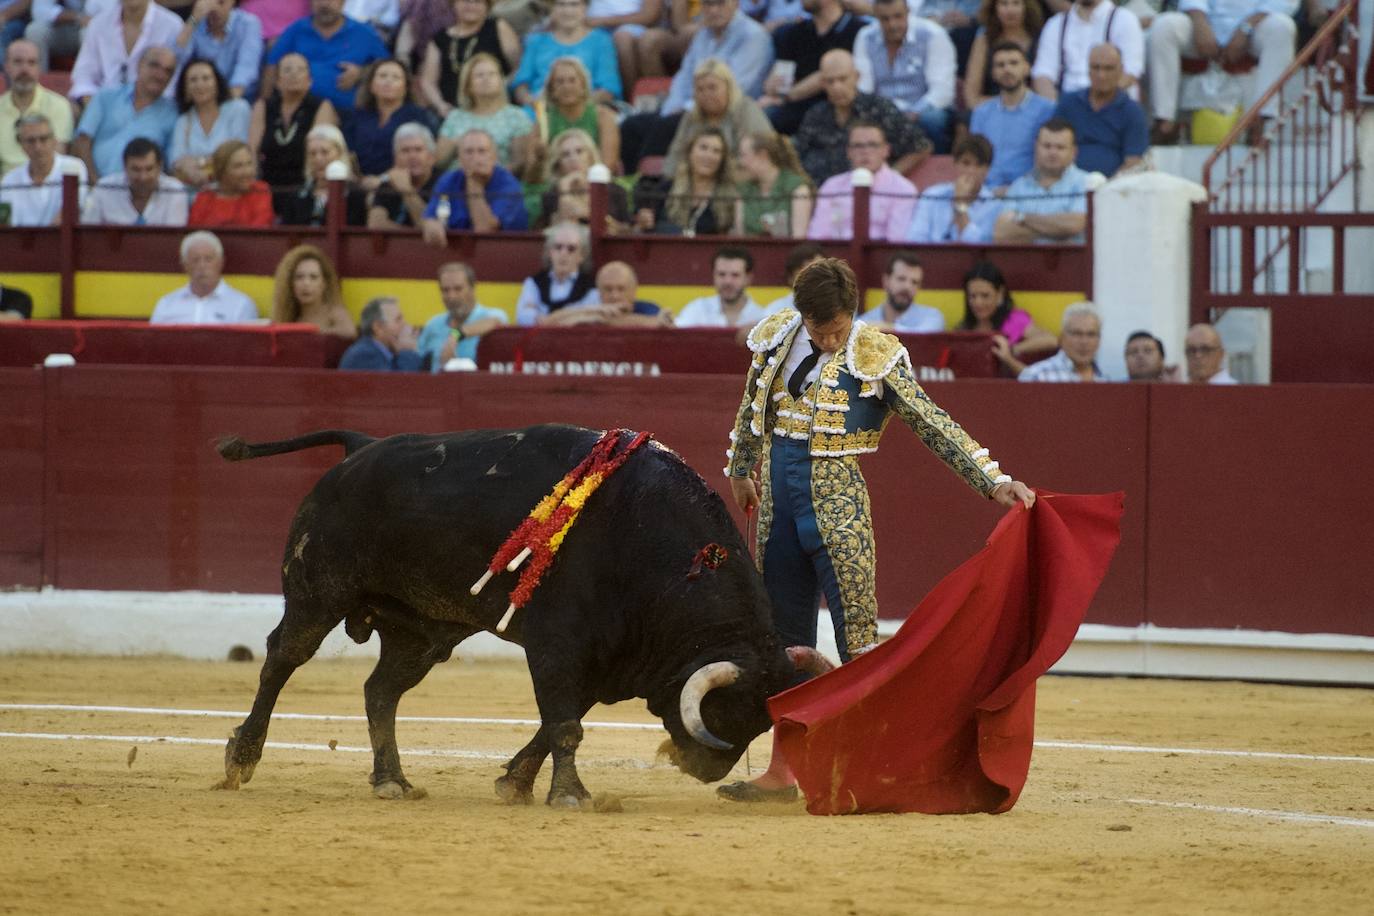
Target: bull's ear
808	661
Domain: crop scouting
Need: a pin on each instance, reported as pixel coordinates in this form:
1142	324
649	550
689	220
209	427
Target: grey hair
449	267
412	130
33	117
372	313
196	238
584	237
1082	308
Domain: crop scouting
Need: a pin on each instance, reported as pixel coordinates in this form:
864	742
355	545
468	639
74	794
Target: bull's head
735	704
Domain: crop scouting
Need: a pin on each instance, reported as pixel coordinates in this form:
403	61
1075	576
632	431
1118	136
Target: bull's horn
703	681
808	661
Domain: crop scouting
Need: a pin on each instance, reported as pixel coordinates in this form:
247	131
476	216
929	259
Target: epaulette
872	354
769	333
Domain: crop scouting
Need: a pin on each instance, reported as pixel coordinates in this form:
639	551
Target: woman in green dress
567	102
775	194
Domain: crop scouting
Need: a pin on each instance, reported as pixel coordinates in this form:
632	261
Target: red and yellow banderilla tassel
542	532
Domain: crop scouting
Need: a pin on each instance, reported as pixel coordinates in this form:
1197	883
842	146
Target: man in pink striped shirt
893	197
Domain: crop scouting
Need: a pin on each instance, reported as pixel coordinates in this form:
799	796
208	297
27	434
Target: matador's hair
826	289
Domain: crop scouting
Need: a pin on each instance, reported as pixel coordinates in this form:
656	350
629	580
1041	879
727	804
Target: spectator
27	97
900	311
280	123
824	134
206	298
386	341
627	21
15	304
558	294
141	195
1049	203
962	210
567	102
1145	359
960	20
1061	59
474	31
716	102
383	104
776	197
1015	21
203	97
732	272
1012	120
1076	360
1206	356
567	194
306	290
275	15
307	205
617	288
483	104
568	36
237	197
798	258
479	195
726	34
456	331
421	22
14	16
796	83
910	62
119	114
701	198
383	15
1224	31
59	26
988	307
106	58
34	190
338	48
230	39
1109	124
893	197
404	191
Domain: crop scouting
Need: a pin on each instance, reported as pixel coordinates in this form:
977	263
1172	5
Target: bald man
616	286
1206	357
1112	130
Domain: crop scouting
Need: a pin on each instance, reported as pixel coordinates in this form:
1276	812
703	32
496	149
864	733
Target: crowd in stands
770	108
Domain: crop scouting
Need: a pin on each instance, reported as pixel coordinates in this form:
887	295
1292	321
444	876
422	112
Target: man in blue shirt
456	331
729	35
337	47
962	210
230	39
1110	125
120	113
478	195
1050	203
1011	120
386	341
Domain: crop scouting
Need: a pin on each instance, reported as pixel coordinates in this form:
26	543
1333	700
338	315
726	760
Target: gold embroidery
937	429
872	354
845	520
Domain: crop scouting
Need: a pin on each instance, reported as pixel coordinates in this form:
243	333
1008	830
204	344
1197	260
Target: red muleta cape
941	718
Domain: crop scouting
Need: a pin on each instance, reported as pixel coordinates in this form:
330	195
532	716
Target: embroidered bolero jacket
845	411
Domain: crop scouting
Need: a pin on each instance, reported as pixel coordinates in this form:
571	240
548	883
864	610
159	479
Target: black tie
798	379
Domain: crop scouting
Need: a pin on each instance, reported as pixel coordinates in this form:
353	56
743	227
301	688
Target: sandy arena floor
91	827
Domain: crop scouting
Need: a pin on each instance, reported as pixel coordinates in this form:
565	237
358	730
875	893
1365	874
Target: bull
391	539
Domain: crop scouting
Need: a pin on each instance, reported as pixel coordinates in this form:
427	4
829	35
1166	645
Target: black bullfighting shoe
748	792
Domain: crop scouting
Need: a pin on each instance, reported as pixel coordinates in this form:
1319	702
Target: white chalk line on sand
646	726
1294	816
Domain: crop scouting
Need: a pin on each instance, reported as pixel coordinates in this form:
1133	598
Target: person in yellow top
820	390
25	97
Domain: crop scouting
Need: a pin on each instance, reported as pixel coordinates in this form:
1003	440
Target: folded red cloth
941	718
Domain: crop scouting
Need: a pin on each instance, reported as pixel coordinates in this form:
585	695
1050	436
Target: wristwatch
961	208
1020	218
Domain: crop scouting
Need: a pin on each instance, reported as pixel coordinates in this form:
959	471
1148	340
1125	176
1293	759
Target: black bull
392	538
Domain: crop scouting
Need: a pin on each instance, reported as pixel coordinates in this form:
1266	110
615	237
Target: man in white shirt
900	311
34	191
142	195
105	60
1206	357
732	270
1061	57
206	299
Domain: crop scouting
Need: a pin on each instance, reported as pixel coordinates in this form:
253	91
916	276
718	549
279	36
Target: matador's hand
1009	494
746	493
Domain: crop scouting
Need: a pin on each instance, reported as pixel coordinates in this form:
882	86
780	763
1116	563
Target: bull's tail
233	448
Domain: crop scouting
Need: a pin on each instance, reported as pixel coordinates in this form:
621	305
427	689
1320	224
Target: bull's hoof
239	761
391	790
570	802
512	792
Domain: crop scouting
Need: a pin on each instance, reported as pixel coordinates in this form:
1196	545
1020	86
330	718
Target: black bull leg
517	786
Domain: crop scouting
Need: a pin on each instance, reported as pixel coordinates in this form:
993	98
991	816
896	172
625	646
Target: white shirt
1079	37
385	13
1223	378
110	202
917	319
778	304
103	61
39	205
706	312
224	305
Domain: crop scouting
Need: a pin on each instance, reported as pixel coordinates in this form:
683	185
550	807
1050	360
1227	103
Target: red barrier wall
1227	525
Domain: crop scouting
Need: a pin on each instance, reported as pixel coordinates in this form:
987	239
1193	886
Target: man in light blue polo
962	210
1050	203
1011	120
456	331
121	113
229	38
729	35
337	47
